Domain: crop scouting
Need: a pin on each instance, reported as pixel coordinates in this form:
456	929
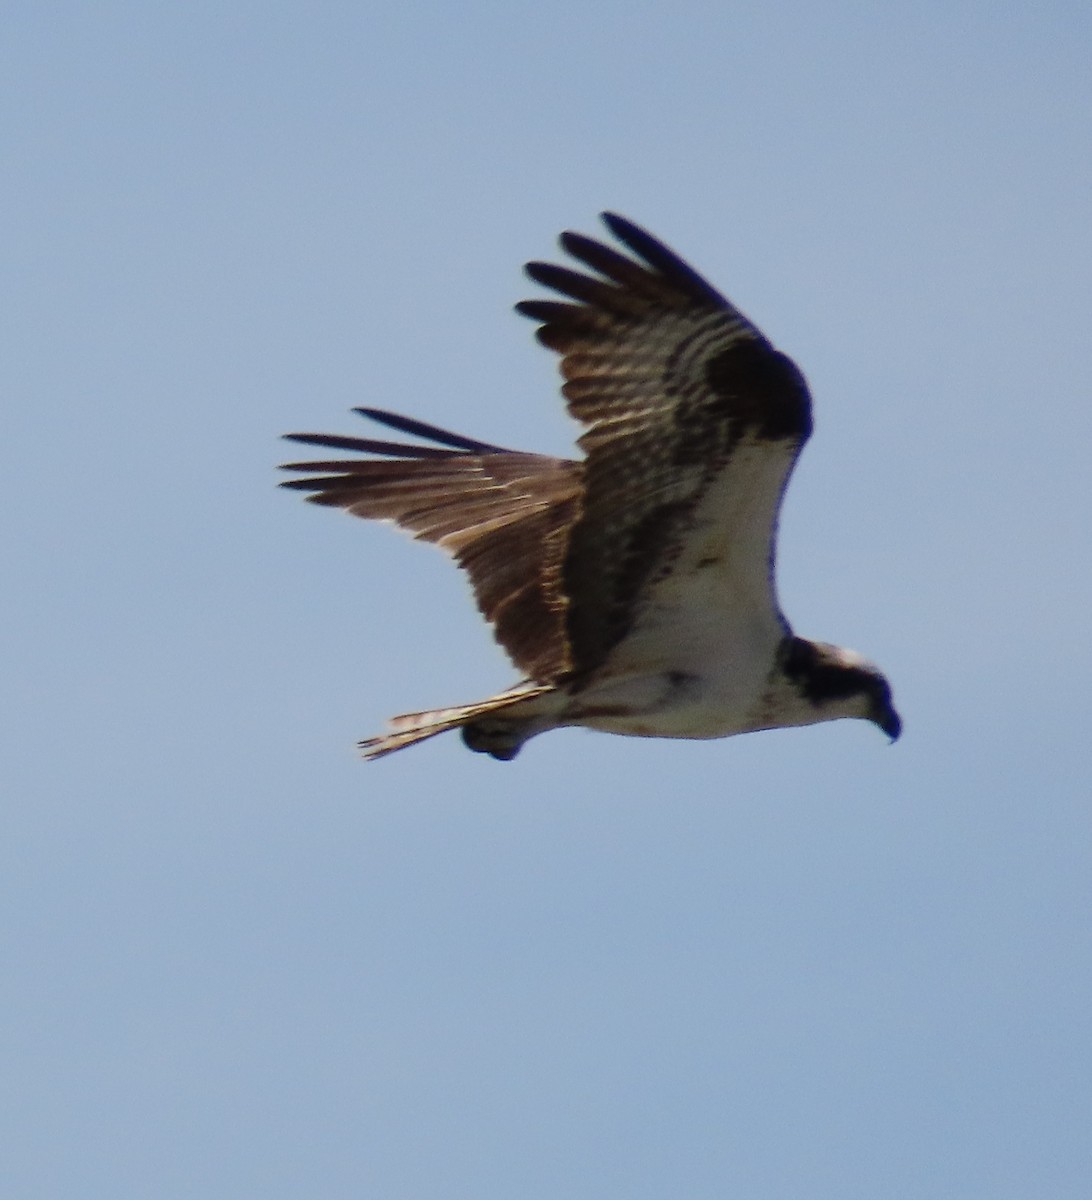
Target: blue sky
238	961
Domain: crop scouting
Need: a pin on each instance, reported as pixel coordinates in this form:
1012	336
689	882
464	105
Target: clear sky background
238	962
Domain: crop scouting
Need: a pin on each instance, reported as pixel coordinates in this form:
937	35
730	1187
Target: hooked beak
890	722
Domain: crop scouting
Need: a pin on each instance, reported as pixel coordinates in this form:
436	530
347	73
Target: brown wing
503	515
670	380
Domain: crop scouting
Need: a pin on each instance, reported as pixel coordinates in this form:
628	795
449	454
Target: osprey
634	588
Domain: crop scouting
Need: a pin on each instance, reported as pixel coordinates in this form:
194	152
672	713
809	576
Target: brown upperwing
504	515
668	377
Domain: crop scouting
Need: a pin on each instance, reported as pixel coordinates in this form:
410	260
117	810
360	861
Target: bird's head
836	682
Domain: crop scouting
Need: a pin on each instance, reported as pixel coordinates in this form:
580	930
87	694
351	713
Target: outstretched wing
503	515
694	422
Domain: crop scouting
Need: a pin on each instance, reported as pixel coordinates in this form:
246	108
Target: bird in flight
634	588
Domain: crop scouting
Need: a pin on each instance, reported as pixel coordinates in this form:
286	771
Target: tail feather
410	728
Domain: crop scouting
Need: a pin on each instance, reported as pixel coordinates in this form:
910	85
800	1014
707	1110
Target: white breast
699	655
